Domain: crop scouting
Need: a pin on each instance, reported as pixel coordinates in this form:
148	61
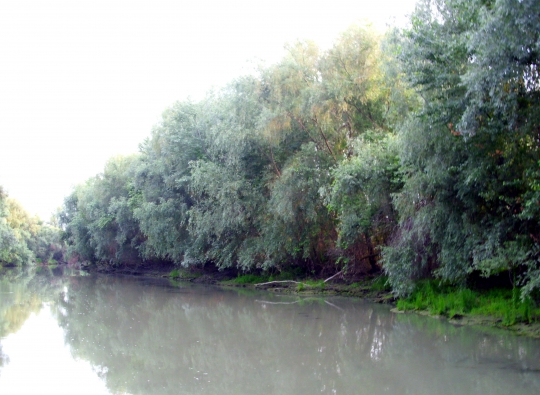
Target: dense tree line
25	239
470	154
416	152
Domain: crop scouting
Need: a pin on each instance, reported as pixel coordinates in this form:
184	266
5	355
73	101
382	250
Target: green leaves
469	156
99	224
362	189
24	239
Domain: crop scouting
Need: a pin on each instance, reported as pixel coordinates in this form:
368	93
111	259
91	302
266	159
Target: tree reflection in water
22	293
146	338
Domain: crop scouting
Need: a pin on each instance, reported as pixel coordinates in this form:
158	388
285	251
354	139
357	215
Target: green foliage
13	251
298	228
468	156
361	197
25	239
174	273
160	199
380	284
98	221
47	244
241	179
318	284
417	152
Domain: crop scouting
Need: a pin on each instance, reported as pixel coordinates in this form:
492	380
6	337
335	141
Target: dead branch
283	281
335	275
267	302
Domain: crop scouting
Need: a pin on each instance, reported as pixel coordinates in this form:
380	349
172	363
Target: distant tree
98	222
25	239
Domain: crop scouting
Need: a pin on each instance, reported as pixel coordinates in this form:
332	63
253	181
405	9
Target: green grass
174	274
501	304
381	284
283	276
249	279
320	284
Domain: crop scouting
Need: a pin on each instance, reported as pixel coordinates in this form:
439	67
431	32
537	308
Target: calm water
106	335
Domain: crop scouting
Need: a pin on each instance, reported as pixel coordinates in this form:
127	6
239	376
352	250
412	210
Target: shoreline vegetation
494	307
411	157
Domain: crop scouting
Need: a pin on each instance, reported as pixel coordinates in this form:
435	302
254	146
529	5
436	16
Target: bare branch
267	302
335	275
283	281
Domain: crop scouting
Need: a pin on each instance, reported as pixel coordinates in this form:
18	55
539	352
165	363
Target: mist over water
135	336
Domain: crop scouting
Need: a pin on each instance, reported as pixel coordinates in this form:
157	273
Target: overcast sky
82	81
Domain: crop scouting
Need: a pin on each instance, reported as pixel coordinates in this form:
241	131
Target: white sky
82	81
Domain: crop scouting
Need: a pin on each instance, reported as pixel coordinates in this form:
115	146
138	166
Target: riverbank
374	289
371	287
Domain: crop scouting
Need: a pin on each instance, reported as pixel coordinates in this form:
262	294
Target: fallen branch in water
267	302
282	281
298	282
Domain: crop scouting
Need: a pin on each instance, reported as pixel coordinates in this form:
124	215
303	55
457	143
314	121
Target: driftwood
298	282
268	302
283	281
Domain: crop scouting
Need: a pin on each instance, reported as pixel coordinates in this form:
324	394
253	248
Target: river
91	334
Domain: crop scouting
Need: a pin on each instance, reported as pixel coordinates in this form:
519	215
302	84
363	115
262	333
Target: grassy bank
502	305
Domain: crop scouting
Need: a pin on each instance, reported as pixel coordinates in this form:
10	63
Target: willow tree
471	152
243	177
99	224
228	185
13	247
25	239
161	199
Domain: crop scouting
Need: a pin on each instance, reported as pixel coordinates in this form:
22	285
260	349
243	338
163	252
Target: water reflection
41	363
21	294
148	337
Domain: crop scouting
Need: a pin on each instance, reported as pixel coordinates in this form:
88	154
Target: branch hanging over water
335	275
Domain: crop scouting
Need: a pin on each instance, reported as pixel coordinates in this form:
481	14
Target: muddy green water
108	335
